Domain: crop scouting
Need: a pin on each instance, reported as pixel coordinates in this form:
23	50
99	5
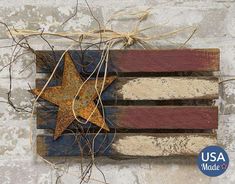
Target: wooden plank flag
160	103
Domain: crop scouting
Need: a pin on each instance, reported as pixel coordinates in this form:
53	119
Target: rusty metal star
63	96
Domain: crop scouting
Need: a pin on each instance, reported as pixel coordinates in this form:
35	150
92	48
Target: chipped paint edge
168	88
162	145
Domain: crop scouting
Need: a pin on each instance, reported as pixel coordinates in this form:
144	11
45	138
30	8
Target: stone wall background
215	20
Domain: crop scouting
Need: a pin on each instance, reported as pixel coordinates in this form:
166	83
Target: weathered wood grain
126	145
136	60
142	89
156	88
146	117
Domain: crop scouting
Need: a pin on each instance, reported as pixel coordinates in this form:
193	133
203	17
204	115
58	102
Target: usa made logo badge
213	161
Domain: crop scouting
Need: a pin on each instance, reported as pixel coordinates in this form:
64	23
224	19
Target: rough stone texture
215	20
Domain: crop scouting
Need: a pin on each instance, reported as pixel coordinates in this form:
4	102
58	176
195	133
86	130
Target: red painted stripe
165	60
176	60
146	117
166	117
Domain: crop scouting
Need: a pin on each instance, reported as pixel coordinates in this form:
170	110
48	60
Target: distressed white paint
168	88
159	145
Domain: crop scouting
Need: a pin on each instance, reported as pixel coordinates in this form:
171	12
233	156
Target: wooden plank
137	60
156	88
126	145
146	117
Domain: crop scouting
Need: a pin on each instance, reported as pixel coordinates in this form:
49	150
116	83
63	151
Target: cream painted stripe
164	88
161	144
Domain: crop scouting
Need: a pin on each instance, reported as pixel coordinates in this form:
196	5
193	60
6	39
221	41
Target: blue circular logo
213	161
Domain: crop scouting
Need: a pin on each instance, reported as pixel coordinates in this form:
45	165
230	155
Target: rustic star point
63	97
